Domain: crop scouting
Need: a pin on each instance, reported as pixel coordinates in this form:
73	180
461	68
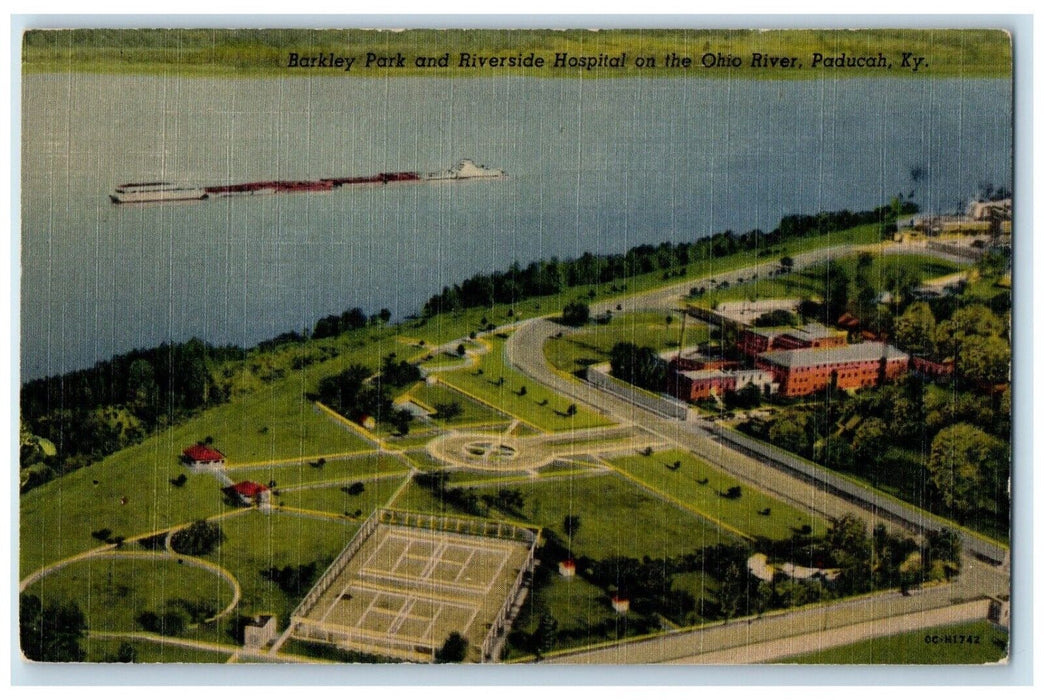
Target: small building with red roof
567	568
202	456
250	492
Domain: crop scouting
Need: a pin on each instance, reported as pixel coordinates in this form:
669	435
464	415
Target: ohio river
594	165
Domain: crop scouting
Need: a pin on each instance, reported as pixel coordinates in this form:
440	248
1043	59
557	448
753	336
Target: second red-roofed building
250	492
200	456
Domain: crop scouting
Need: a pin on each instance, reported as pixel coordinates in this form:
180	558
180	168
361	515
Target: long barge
145	192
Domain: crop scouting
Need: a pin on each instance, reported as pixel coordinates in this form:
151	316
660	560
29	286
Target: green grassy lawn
741	513
911	648
274	422
102	649
346	469
256	541
422	459
471	412
268	425
983	289
808	282
420	435
112	591
699	584
331	499
486	386
271	421
445	359
57	519
617	518
574	603
592	345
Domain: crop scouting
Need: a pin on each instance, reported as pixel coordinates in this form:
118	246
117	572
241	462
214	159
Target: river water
594	165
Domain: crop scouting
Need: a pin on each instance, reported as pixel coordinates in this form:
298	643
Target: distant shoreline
793	54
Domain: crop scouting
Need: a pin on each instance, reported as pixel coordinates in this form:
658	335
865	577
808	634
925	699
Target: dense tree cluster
777	317
453	650
352	395
945	448
198	539
330	326
641	366
554	276
867	561
511	501
292	580
90	413
398	373
52	632
576	313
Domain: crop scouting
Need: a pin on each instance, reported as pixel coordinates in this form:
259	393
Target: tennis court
405	589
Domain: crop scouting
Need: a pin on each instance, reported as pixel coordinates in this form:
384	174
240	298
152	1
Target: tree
169	624
198	539
52	633
967	468
786	263
401	419
641	366
399	373
835	296
453	650
944	546
461	350
384	315
983	360
776	317
915	329
351	395
852	550
576	313
571	525
975	319
869	442
834	452
126	654
447	410
142	390
546	634
900	282
731	590
790	432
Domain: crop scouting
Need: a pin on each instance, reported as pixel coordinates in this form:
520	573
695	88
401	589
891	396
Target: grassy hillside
250	52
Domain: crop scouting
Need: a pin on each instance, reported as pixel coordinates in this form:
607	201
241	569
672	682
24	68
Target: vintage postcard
645	346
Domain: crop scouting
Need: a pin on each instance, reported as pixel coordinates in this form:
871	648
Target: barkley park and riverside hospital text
903	60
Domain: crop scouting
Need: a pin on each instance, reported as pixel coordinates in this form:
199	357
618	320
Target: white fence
662	405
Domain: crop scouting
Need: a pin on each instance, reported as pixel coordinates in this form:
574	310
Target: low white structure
261	630
746	311
759	567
